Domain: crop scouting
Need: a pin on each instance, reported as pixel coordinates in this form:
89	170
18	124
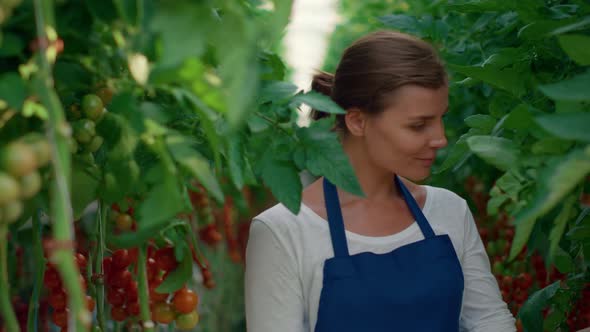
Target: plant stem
32	323
98	257
144	305
61	210
5	304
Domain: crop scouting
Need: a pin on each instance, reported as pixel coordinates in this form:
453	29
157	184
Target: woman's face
404	137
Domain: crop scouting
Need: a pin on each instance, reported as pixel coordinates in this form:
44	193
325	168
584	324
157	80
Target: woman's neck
377	183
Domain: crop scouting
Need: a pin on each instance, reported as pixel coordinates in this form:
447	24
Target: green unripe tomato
11	211
92	107
187	321
30	185
9	188
18	159
84	131
95	144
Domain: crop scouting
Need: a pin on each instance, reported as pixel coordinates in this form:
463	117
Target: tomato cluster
84	117
121	288
57	294
20	178
181	306
579	317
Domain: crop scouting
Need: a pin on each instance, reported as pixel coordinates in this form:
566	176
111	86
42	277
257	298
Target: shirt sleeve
273	291
483	308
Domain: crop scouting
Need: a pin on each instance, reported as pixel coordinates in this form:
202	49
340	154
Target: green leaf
325	156
559	227
572	126
182	27
10	45
497	151
509	184
551	145
576	46
481	121
135	239
277	91
563	262
557	180
507	79
179	277
119	138
163	202
13	90
235	160
192	161
531	311
85	181
573	89
520	118
402	22
458	153
282	178
319	102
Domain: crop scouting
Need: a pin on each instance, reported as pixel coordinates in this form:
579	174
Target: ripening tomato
9	188
185	300
124	222
187	321
18	159
163	313
30	184
92	107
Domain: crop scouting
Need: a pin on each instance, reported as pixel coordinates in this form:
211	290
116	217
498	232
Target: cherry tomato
30	184
118	314
58	300
84	130
132	308
124	222
9	188
152	269
120	279
94	144
90	303
165	259
60	318
81	261
11	211
116	297
51	278
107	265
18	159
121	259
105	94
92	107
185	300
42	151
187	321
154	295
163	313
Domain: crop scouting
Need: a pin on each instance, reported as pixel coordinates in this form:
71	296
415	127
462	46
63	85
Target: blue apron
415	288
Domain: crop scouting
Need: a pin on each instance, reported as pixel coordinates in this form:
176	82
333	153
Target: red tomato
185	301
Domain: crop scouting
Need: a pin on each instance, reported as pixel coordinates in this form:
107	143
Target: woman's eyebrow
428	117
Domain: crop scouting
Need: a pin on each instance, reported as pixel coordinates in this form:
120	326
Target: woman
406	257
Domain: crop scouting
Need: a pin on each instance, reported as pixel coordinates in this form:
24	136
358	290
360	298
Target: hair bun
322	82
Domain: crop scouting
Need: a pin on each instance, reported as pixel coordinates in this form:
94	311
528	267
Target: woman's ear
356	120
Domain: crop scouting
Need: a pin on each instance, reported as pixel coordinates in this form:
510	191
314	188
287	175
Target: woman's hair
373	67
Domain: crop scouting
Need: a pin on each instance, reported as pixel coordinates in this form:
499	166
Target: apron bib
417	287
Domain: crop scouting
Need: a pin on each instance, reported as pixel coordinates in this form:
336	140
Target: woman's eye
418	126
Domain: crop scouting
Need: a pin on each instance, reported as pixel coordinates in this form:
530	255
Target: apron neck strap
335	220
415	209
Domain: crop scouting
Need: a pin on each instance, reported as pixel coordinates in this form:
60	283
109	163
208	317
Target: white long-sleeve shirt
286	253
